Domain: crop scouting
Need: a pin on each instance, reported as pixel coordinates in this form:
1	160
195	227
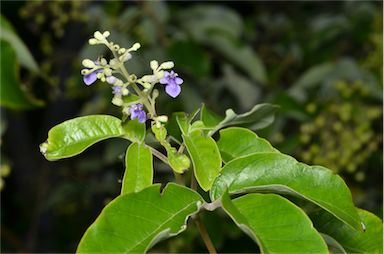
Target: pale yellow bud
154	64
167	65
88	63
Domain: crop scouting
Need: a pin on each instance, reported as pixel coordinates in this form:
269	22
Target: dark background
331	116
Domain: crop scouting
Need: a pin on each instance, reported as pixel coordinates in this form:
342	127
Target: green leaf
205	157
138	168
235	142
260	116
209	118
74	136
23	54
333	245
277	225
276	172
13	95
134	222
353	241
134	130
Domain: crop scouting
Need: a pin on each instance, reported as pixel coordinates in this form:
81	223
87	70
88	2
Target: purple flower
172	83
90	78
138	112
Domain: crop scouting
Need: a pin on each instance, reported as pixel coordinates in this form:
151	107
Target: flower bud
167	65
135	47
88	63
93	41
162	118
111	80
154	64
99	36
117	101
106	34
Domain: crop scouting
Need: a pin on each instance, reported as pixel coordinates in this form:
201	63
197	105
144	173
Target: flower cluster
135	95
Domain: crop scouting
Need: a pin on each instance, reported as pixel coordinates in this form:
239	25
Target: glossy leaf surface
134	222
74	136
353	241
205	157
134	130
280	173
235	142
277	225
138	168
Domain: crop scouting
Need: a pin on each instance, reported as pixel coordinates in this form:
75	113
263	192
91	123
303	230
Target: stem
159	155
204	235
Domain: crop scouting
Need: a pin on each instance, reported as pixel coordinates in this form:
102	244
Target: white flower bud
85	71
167	65
121	50
135	47
117	101
107	72
149	78
106	34
100	75
162	119
118	82
43	148
93	41
114	63
103	61
88	63
154	64
99	36
111	80
124	91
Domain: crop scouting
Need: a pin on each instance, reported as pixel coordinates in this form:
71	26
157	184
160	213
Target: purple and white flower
138	112
172	83
90	78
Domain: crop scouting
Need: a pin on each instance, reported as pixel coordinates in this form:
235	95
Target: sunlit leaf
74	136
205	157
138	168
236	142
279	173
134	222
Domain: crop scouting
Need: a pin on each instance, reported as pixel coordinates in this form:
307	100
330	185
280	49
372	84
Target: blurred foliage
321	63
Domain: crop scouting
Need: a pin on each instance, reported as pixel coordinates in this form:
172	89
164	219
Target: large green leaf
13	94
23	54
260	116
353	241
138	168
235	142
74	136
276	172
205	157
277	225
134	222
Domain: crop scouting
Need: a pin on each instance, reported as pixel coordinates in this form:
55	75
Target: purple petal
90	78
173	90
179	81
142	117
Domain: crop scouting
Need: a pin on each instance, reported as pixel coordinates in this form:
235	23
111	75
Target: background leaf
260	116
236	142
205	157
277	225
280	173
13	95
369	241
74	136
138	168
23	54
134	222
